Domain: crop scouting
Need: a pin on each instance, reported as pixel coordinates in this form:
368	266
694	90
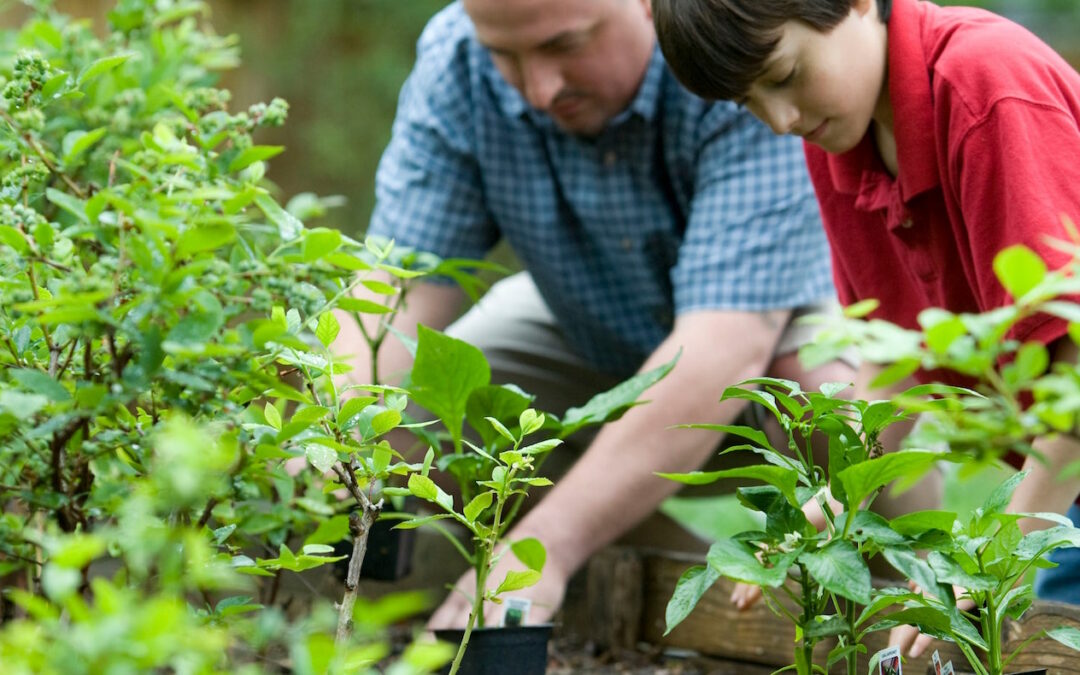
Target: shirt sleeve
754	239
428	191
1016	174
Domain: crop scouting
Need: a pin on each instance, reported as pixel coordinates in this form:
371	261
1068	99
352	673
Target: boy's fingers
745	595
921	643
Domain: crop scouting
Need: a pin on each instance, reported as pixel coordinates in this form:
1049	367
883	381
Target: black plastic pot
388	556
1037	671
520	650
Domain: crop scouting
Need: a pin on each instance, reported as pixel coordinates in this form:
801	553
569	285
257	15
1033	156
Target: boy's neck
882	126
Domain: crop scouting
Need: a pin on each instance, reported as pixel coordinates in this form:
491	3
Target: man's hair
717	48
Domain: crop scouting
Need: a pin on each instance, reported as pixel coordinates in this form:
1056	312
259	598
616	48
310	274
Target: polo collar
913	115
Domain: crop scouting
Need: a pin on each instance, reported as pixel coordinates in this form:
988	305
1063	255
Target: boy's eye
787	79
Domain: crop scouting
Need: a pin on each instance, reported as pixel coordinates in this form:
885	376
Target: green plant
983	559
825	574
452	380
166	329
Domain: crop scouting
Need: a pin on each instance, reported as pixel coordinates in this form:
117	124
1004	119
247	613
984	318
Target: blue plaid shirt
678	205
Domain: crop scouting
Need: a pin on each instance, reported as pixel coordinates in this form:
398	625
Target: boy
935	137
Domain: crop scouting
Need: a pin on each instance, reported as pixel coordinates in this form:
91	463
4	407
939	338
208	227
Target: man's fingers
921	643
905	637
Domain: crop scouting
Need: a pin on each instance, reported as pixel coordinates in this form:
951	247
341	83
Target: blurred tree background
340	64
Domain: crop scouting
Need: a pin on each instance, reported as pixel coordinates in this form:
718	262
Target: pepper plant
824	574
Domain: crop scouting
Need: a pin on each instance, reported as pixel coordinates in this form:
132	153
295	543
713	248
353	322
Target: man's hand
546	596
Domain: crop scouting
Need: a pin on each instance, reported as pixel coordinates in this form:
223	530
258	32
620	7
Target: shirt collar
644	103
913	115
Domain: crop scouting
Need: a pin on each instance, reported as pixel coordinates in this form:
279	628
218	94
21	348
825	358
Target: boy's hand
910	640
745	595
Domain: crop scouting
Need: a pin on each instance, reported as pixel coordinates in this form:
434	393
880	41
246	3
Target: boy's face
825	87
579	61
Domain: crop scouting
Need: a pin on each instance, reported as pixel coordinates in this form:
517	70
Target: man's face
825	87
579	61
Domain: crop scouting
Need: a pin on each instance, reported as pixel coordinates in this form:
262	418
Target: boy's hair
717	48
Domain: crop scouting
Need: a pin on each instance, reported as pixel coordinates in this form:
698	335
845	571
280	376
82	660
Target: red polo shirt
988	144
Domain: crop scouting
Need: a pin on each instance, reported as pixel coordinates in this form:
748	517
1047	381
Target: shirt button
610	157
627	244
907	223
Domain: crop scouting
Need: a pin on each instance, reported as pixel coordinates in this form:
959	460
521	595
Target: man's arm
612	486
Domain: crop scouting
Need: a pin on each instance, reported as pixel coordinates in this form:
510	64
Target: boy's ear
863	6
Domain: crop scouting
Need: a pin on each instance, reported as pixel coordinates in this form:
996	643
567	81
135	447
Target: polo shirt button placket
610	158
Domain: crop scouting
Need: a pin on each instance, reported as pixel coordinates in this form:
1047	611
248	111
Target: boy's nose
782	117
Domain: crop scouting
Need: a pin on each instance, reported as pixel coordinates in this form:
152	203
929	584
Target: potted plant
452	380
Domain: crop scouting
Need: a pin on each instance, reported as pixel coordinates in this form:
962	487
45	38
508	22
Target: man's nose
541	82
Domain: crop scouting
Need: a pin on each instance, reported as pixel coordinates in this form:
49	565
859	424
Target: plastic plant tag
936	658
517	610
889	661
947	669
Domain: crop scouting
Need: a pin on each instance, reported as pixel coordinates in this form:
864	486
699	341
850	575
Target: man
648	219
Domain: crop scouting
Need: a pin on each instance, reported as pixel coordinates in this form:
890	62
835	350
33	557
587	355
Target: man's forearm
612	486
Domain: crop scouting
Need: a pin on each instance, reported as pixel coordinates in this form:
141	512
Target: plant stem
360	523
477	610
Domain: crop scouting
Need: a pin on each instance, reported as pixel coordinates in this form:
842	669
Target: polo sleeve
754	239
1016	173
428	190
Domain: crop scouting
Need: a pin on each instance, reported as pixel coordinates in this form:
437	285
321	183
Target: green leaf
272	416
895	372
501	402
380	287
445	373
14	238
1019	269
327	329
102	66
385	421
320	456
78	550
426	489
76	143
948	571
352	408
329	531
839	568
751	434
610	405
869	526
288	226
72	205
999	499
862	479
1066	635
38	382
502	430
516	581
861	309
920	522
414	523
255	153
205	238
477	505
320	241
530	552
362	306
780	477
689	590
737	561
